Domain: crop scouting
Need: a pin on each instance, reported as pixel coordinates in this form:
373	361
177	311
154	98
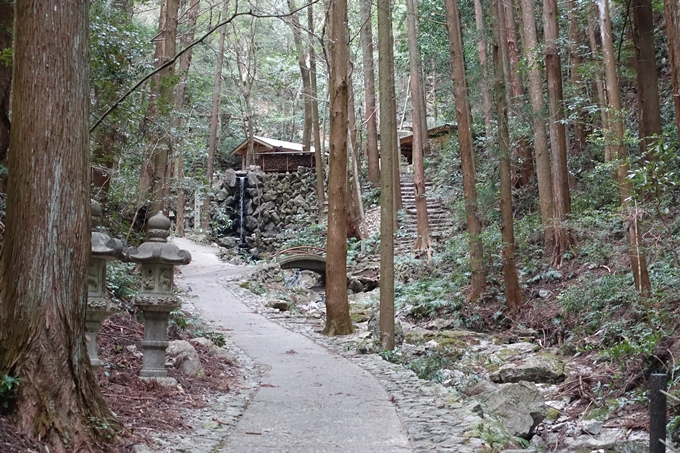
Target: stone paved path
310	400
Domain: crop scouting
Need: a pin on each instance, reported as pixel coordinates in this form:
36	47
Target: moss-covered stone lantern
156	298
99	305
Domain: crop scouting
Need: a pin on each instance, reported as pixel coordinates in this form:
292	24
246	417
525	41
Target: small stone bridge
308	258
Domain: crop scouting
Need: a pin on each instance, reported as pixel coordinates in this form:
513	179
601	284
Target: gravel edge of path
437	418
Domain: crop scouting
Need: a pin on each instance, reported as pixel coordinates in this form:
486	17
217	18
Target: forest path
311	400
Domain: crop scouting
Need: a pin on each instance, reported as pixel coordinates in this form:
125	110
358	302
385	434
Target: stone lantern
156	299
99	306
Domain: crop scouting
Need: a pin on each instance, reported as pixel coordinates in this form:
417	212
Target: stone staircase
439	218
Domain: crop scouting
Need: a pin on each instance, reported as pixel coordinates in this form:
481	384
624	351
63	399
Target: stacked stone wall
275	206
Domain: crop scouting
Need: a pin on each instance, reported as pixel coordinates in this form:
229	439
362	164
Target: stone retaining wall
275	206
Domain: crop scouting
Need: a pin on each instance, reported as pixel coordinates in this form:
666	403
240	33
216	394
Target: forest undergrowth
587	307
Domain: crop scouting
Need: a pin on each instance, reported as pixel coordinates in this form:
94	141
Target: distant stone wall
275	206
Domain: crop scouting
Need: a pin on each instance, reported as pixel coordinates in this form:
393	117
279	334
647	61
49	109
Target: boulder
222	195
541	368
184	357
255	178
229	176
278	304
609	441
519	407
228	242
251	223
374	327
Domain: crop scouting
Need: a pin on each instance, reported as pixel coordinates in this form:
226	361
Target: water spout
241	211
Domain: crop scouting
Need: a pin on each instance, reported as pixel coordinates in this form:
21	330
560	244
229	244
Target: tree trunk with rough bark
467	158
575	62
558	132
521	151
318	146
180	98
423	243
304	74
214	116
338	321
6	23
481	49
357	224
673	32
513	293
638	261
369	94
541	150
649	111
389	150
598	82
46	252
153	184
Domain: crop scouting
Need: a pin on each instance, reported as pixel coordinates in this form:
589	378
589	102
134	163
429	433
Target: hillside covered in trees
558	175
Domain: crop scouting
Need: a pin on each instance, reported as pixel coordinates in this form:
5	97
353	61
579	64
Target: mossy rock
453	338
360	316
553	414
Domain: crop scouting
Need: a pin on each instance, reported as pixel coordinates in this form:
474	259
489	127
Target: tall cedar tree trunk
513	292
214	117
318	146
558	132
481	48
304	74
541	150
637	258
153	184
598	82
338	321
467	158
421	97
369	94
45	255
389	150
351	115
6	22
521	151
424	240
180	97
649	112
357	220
575	72
673	32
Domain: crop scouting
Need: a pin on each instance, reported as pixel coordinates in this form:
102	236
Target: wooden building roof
270	145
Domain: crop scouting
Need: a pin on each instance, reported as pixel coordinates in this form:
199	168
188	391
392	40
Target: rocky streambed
498	392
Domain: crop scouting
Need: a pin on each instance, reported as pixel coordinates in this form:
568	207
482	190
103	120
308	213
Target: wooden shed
438	136
276	156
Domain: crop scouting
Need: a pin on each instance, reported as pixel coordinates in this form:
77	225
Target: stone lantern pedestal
99	306
156	299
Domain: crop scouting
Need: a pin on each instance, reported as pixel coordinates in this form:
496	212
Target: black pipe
657	412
